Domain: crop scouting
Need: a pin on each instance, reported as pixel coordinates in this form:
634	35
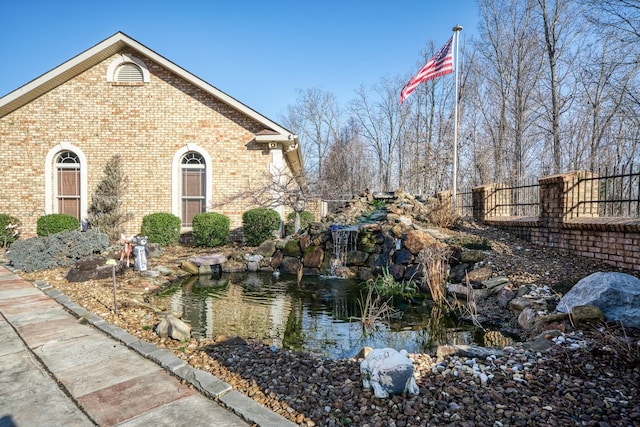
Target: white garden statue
388	371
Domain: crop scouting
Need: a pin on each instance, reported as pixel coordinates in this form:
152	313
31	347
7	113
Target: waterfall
345	241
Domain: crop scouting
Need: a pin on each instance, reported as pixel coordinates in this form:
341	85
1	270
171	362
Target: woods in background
546	86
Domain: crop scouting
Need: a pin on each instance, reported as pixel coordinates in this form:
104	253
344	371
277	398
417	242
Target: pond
322	315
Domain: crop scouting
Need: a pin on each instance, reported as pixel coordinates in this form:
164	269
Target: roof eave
57	76
103	50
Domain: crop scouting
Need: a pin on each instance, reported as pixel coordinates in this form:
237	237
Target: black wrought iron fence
517	199
611	192
464	203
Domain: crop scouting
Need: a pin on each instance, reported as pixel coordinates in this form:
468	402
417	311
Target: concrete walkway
61	365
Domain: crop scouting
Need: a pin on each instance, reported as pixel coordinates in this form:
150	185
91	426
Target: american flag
440	64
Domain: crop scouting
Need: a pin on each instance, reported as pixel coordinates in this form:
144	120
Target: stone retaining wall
382	236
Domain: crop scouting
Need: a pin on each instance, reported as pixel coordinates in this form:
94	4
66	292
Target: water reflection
319	316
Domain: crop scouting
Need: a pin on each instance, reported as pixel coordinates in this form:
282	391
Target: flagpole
454	174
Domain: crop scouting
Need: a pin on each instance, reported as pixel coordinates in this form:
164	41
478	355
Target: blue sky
259	52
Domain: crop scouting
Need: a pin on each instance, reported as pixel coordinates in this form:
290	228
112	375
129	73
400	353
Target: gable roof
272	132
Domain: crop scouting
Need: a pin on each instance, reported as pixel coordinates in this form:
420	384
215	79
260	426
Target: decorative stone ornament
388	371
174	328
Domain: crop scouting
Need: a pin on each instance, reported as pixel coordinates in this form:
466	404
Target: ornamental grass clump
373	309
442	215
434	262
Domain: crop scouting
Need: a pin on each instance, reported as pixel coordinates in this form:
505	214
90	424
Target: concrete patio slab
90	377
75	352
122	401
192	411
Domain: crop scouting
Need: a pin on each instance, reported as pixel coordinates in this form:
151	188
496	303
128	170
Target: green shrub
210	229
472	242
259	225
306	218
387	286
9	229
56	250
55	223
162	228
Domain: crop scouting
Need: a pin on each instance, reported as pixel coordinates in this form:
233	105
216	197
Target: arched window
193	186
67	184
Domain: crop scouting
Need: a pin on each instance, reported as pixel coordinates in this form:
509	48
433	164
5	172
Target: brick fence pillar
483	202
562	196
581	195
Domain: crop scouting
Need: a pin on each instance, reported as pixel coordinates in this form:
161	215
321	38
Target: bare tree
509	63
621	17
547	85
560	24
348	165
276	189
382	121
316	117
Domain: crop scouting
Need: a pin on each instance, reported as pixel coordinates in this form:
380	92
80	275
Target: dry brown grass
434	261
442	215
372	309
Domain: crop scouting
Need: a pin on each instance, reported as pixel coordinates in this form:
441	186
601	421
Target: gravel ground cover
586	377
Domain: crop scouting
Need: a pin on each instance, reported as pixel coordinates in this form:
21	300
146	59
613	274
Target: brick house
186	146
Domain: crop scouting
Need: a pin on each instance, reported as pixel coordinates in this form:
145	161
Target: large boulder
266	249
92	268
417	240
290	265
616	294
204	265
313	257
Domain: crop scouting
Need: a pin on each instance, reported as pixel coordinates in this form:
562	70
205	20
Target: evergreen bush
259	225
162	228
9	229
56	223
306	218
210	229
56	250
106	210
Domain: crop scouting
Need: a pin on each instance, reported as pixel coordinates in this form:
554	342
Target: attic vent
126	69
129	72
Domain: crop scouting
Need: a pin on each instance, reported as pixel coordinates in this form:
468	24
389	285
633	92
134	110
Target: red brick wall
615	241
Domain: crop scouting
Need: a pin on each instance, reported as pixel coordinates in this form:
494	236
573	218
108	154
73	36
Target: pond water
322	315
